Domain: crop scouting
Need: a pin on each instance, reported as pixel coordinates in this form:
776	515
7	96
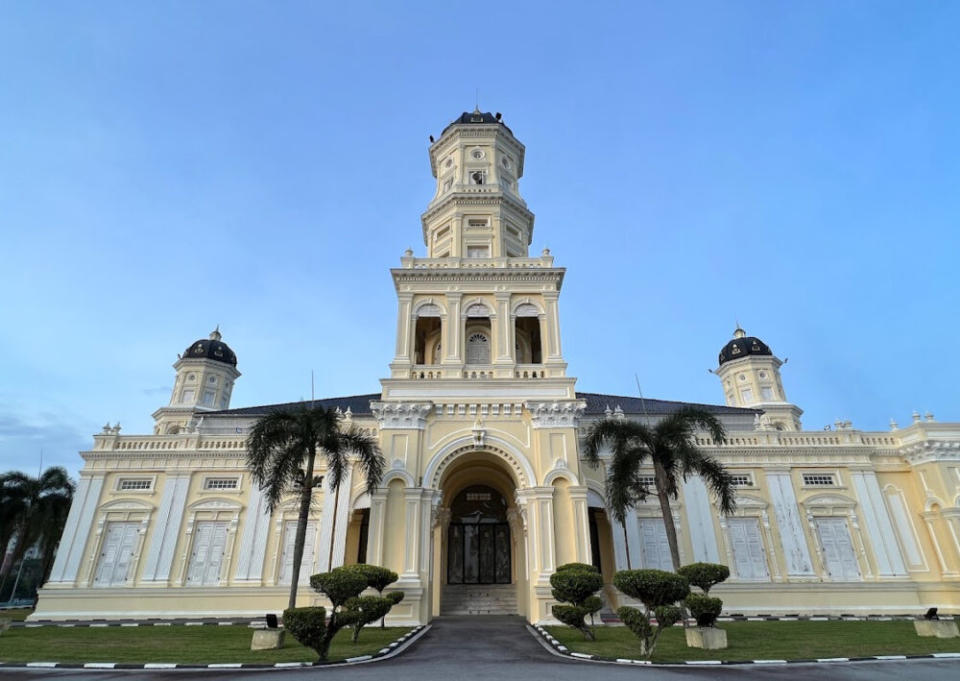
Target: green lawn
767	641
15	614
181	644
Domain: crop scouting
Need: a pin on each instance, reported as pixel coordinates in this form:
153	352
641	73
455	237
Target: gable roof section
596	405
598	402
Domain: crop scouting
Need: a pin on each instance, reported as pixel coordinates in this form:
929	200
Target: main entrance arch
479	545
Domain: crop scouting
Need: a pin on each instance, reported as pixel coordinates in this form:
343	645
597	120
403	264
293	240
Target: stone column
503	330
378	503
539	506
404	353
166	530
790	525
552	338
700	520
333	535
452	341
581	520
253	543
76	532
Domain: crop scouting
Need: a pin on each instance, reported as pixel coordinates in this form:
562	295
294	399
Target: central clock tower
477	308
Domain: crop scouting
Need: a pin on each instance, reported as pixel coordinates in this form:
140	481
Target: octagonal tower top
477	210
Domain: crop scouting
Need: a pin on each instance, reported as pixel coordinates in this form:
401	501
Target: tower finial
739	332
215	334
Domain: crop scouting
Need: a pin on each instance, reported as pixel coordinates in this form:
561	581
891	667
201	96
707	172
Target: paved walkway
496	648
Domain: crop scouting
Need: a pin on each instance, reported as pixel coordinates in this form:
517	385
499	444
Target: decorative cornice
927	451
556	413
401	415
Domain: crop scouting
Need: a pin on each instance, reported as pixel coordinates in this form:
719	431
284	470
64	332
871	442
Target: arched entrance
478	538
479	549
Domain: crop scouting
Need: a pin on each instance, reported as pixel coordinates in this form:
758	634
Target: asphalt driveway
500	648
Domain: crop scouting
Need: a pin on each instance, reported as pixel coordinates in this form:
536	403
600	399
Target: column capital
556	413
401	415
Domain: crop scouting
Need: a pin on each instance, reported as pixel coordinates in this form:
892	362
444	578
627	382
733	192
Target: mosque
485	493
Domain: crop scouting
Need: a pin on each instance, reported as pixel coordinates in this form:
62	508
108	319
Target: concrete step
479	599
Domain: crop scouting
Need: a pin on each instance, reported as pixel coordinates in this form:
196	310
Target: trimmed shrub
340	585
365	610
576	584
653	588
577	566
704	609
378	578
704	575
308	626
658	590
394	597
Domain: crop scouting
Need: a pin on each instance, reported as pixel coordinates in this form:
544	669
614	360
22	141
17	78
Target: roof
596	405
357	404
476	118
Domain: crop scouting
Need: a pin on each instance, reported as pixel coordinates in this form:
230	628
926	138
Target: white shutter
309	550
838	550
655	547
198	557
108	554
116	554
128	543
749	557
218	544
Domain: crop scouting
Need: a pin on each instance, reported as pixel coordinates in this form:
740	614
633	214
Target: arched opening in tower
528	341
427	346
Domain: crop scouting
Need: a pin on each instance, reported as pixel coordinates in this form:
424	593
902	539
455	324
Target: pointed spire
215	334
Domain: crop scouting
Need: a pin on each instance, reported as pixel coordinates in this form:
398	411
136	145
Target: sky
169	166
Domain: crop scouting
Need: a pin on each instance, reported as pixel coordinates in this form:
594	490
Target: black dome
476	118
211	348
743	345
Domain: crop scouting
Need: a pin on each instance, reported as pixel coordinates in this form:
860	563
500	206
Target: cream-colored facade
485	492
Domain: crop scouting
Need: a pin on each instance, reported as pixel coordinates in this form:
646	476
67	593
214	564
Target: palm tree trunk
306	495
626	541
671	529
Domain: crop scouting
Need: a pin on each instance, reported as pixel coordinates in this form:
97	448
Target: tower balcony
480	372
543	262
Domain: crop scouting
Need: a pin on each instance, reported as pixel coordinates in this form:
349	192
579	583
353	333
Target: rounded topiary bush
704	609
576	584
653	588
340	584
308	626
704	575
577	566
658	590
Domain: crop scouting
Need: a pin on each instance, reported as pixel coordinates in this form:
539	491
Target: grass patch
768	641
177	643
15	614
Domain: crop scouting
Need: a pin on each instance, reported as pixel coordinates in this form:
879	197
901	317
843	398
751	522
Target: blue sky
165	167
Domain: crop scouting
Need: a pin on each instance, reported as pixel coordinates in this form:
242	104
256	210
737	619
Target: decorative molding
555	414
401	415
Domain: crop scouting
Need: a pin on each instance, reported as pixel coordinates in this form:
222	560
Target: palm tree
32	509
281	453
670	447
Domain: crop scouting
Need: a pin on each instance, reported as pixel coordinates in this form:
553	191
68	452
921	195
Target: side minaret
750	374
206	372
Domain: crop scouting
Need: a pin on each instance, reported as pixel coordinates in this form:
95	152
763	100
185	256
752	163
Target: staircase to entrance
479	599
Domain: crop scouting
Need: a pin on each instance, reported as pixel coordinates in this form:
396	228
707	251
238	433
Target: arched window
478	349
